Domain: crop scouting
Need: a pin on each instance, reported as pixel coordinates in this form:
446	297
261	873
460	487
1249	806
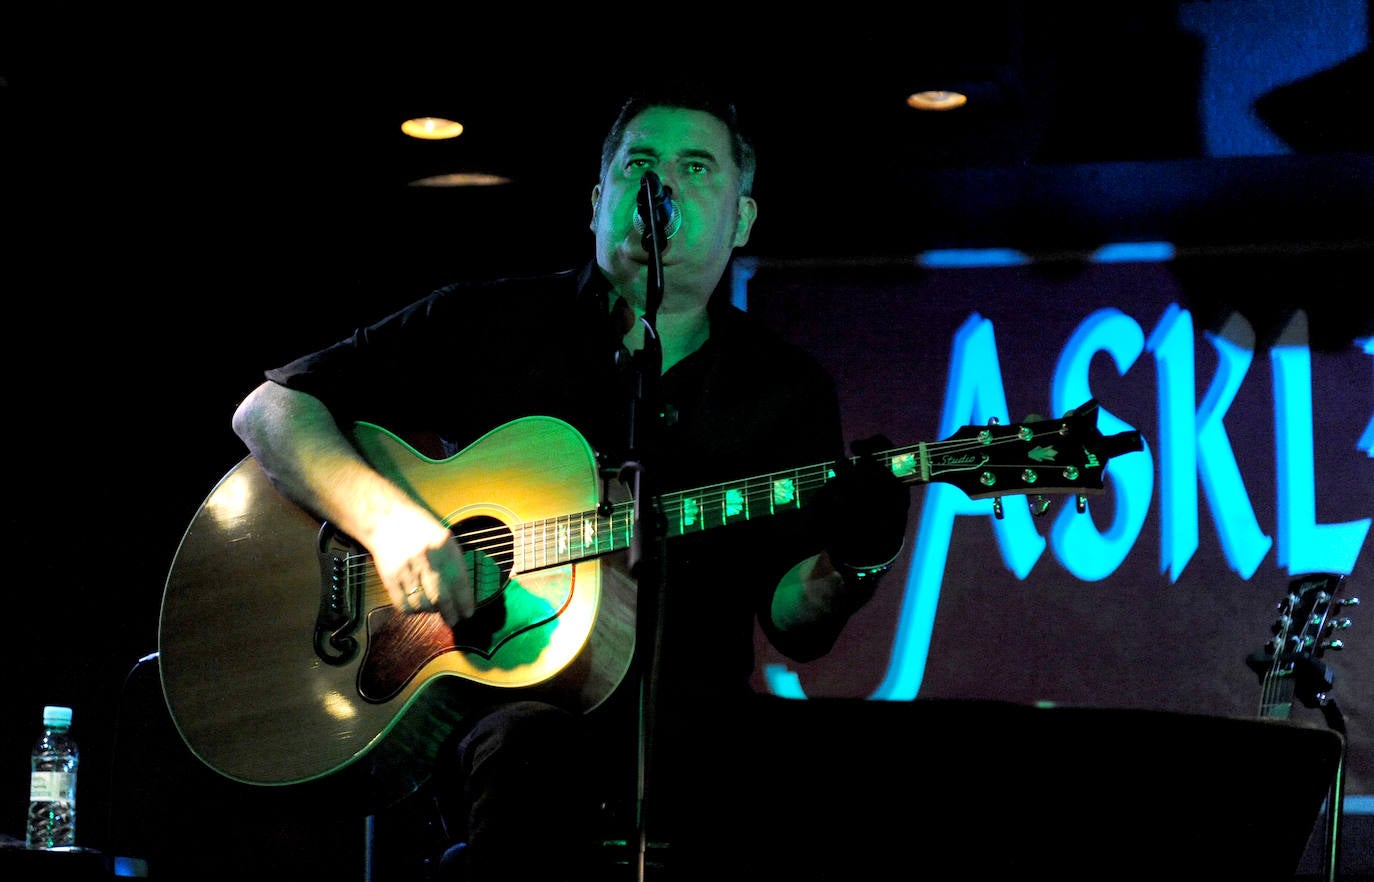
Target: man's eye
697	168
639	163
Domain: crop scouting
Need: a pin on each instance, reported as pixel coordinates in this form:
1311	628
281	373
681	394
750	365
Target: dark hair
689	97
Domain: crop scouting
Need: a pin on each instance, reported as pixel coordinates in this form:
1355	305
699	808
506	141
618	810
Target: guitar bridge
340	592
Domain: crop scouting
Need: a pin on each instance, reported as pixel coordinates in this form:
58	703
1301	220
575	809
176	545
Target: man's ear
745	217
596	203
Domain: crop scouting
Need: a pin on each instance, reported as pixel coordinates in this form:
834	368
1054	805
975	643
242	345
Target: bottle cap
57	716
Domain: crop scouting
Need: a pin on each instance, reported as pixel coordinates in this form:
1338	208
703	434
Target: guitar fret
684	511
546	546
923	459
735	505
588	534
781	492
563	529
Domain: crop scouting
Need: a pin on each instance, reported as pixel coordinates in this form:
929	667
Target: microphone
656	200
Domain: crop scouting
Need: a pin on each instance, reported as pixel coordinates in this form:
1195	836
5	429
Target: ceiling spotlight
461	179
936	99
432	128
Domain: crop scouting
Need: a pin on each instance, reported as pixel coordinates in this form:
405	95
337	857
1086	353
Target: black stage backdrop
1158	598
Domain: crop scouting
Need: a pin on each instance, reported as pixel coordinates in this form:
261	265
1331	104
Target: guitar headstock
1304	630
1036	456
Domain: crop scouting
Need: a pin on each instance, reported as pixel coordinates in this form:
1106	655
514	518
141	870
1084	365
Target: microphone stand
646	554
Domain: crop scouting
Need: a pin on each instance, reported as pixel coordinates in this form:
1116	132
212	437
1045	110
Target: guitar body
264	694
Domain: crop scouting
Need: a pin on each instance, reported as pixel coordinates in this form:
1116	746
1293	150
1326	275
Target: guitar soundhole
489	553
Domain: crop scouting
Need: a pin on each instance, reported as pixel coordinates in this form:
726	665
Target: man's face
690	151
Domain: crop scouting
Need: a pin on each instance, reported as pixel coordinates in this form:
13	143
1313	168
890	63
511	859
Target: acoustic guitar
282	660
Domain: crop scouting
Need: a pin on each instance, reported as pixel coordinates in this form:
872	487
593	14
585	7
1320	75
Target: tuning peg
1039	505
1080	503
1348	601
1340	624
1334	645
997	508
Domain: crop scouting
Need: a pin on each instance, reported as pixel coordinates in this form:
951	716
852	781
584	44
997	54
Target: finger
448	608
465	597
415	597
455	601
458	600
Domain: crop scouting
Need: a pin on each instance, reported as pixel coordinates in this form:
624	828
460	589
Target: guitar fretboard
566	539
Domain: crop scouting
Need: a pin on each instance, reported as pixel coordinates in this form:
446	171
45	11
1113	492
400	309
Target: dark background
194	195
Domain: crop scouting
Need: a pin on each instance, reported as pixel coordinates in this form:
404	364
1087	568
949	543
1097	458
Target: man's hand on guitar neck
864	510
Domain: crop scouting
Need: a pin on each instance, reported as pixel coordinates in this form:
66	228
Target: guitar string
1270	695
549	541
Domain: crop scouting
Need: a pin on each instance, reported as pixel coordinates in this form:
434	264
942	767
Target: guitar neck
571	538
1039	457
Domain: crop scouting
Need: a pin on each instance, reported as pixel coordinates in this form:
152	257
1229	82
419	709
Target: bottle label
48	786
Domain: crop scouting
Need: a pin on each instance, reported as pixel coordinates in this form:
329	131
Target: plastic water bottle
52	787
